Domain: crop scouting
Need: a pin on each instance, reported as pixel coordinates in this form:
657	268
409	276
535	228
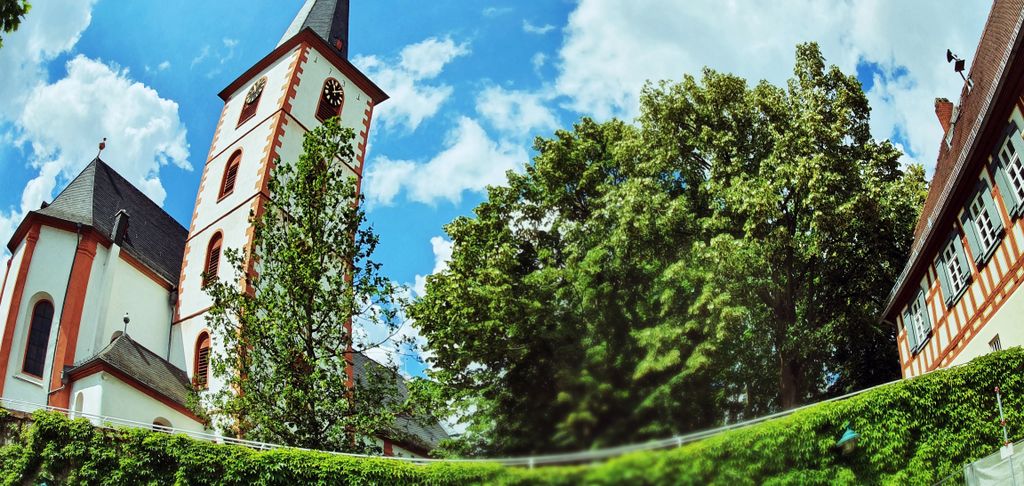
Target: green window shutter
908	326
940	269
973	239
991	209
924	308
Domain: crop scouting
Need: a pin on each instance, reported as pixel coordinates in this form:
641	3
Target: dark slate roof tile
95	197
145	366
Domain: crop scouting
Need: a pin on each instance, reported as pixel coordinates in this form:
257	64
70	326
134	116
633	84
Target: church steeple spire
328	18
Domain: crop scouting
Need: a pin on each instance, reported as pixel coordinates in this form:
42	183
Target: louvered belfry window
212	259
202	364
230	174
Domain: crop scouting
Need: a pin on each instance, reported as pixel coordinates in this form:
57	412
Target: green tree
11	13
285	319
725	257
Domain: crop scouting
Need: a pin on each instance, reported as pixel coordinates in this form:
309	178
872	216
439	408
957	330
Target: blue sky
471	83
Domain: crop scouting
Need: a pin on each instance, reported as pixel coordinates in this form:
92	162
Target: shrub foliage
913	432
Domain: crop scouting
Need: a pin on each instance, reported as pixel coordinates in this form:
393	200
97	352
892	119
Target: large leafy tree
11	13
285	320
725	257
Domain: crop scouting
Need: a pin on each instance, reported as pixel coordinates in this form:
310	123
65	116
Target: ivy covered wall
913	432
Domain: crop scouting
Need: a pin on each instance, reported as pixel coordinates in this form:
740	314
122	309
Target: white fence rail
580	457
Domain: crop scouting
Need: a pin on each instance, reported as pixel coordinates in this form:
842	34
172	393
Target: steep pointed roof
328	19
95	197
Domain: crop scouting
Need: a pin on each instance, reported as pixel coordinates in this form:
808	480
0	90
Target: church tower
305	80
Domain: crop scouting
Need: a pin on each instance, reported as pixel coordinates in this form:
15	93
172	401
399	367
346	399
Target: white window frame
957	276
919	328
1014	168
983	226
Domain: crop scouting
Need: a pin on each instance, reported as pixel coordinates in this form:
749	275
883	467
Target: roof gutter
981	125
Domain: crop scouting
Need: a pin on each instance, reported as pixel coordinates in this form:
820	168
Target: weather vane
103	145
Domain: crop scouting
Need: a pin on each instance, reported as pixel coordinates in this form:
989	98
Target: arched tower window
212	258
227	184
332	98
201	367
252	100
38	338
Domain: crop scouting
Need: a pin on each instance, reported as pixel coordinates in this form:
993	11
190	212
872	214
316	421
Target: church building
101	305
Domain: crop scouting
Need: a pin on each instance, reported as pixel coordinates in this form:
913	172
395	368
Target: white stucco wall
47	279
124	401
147	304
315	71
1007	322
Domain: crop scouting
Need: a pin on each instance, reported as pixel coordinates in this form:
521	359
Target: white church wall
125	401
253	146
315	71
87	397
270	101
47	279
177	348
92	306
147	304
8	291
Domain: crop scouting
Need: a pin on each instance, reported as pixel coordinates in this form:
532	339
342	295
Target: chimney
944	110
120	227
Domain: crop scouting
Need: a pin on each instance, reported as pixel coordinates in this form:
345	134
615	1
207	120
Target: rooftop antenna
958	66
103	145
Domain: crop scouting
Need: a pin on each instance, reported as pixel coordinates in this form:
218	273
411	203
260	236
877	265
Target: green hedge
913	432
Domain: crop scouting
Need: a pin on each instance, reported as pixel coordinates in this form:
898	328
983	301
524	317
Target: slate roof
994	60
145	366
328	18
423	433
96	195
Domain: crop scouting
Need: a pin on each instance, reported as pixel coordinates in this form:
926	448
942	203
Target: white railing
594	455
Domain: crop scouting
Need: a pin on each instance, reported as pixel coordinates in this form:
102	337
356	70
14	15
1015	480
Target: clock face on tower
255	90
333	93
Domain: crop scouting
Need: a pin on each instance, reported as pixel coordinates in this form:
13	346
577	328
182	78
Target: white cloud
492	12
62	121
412	100
538	60
513	112
164	66
204	53
536	29
442	249
470	161
52	28
611	47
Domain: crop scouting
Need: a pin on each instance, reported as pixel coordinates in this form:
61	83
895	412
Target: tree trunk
791	382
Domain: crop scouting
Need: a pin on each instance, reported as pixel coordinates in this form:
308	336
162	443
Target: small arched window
252	100
161	424
201	368
332	98
227	184
212	258
38	338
